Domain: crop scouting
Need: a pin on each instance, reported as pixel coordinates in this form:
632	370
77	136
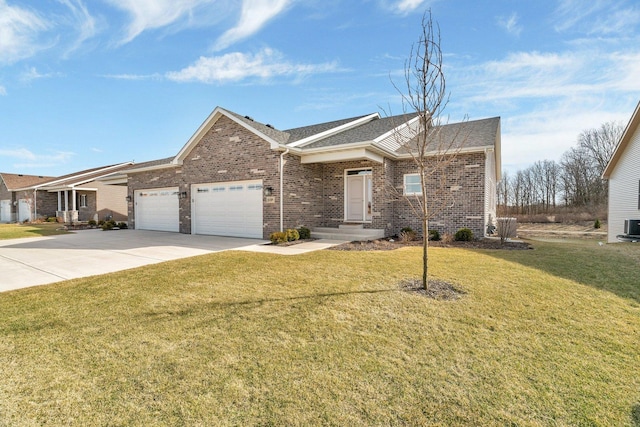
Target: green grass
543	337
17	231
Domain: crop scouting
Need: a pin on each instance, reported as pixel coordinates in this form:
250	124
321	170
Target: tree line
574	182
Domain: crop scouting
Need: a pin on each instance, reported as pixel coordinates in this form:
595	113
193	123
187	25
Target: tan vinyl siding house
623	174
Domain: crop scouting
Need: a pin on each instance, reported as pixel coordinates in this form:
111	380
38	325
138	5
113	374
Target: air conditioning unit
632	227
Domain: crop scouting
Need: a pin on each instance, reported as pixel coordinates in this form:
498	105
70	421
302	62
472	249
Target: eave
625	139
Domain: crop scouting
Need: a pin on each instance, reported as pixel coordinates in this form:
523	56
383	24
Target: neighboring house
238	177
74	197
623	173
16	205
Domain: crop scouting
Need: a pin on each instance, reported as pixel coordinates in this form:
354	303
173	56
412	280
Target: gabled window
412	185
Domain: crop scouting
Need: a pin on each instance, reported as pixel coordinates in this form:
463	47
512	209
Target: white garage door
228	209
157	209
5	210
24	210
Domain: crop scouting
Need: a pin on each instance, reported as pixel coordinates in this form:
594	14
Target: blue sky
89	83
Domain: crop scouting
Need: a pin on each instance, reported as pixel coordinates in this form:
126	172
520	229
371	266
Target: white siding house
623	173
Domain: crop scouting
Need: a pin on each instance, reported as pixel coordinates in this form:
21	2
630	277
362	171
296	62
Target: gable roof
366	137
68	181
625	139
16	181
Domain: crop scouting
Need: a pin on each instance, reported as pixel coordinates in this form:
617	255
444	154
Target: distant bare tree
601	142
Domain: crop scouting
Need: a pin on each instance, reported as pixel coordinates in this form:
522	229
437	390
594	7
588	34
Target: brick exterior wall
313	194
228	152
459	196
5	194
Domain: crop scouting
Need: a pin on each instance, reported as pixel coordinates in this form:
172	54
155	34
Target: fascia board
342	155
333	131
629	130
57	181
452	151
152	168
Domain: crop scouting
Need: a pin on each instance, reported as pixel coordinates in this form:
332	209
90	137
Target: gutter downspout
35	205
282	161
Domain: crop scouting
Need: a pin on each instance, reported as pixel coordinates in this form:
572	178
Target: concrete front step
348	233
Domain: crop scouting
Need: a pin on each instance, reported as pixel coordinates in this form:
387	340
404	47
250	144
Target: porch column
66	200
73	199
59	200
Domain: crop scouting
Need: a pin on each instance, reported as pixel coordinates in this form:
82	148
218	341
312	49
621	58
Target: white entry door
157	209
5	211
358	195
227	209
24	210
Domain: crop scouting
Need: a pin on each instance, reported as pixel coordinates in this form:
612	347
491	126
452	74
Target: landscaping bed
391	244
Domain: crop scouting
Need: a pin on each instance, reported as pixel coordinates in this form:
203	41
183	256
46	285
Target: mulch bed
391	244
437	289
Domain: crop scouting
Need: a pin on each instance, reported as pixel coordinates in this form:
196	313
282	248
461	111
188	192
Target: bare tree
431	146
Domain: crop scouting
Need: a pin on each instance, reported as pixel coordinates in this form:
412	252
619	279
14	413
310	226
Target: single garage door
157	209
228	209
24	210
5	210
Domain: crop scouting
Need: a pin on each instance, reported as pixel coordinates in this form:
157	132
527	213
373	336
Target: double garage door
220	209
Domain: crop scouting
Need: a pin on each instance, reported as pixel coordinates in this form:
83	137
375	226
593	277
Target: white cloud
153	14
267	63
30	160
33	74
19	30
255	14
404	7
597	17
510	24
82	21
3	91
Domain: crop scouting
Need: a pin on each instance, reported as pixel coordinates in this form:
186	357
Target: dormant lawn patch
541	337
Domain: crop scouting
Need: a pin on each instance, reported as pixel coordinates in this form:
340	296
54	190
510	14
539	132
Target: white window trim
404	185
83	197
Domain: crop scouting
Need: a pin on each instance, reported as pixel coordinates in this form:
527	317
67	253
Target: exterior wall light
128	198
183	195
268	191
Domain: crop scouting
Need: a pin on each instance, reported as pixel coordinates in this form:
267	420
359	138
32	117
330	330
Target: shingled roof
15	181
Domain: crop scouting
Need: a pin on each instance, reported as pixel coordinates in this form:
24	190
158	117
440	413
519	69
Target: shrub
91	222
278	237
292	234
463	235
101	223
434	235
108	225
407	235
304	233
597	224
122	225
52	219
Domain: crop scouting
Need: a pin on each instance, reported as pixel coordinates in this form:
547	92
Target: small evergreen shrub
52	219
434	235
292	234
108	225
92	222
304	233
463	235
278	237
597	224
122	225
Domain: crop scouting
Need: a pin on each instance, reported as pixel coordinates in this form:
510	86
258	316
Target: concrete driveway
41	260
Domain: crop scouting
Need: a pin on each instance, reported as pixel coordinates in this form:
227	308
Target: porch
350	232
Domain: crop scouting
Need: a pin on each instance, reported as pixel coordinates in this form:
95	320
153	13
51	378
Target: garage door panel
228	209
157	209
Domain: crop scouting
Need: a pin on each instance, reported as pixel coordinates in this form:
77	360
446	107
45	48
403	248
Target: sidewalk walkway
296	249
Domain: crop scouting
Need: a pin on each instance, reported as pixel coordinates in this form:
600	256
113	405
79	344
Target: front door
358	195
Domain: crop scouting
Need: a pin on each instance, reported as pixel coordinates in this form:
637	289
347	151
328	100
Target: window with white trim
83	200
412	185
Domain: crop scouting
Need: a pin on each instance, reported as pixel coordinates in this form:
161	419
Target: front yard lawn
542	337
17	231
